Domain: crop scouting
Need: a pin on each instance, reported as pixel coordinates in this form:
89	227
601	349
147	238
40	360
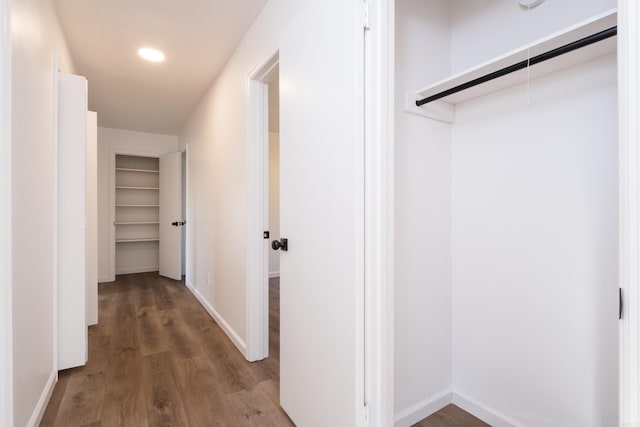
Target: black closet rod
594	38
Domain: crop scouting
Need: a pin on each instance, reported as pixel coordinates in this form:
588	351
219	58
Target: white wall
484	29
535	249
36	36
6	356
535	227
216	135
274	201
126	142
422	215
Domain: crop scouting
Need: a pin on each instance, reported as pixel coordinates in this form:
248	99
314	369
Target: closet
506	210
137	204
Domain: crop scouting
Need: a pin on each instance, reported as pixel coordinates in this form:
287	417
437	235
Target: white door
72	135
321	341
171	221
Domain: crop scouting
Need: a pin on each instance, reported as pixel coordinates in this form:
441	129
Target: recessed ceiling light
152	55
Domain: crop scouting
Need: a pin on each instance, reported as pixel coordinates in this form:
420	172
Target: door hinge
366	414
365	15
620	303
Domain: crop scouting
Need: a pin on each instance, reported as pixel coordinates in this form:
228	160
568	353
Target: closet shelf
586	28
136	188
137	170
135	222
137	240
137	206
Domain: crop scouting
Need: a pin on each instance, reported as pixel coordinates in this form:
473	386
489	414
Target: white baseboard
38	412
233	336
137	270
423	409
104	279
486	414
274	274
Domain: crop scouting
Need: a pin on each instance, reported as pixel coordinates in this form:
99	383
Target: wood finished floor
451	416
156	358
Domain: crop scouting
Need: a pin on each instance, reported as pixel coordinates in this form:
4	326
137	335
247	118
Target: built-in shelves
136	170
155	239
137	222
441	109
122	187
137	188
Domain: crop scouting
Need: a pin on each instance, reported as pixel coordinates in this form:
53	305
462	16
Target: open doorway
273	203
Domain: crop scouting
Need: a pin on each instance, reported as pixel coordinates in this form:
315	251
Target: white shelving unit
443	109
137	211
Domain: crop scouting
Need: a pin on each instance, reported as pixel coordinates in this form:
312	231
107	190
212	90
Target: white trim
361	261
6	282
486	414
437	110
378	212
133	270
104	279
41	407
274	274
55	126
257	286
421	410
233	336
187	240
629	134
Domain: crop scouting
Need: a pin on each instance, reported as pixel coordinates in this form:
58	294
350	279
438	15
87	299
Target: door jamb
257	286
629	164
379	212
6	283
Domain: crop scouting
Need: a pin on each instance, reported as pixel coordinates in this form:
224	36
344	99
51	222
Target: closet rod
594	38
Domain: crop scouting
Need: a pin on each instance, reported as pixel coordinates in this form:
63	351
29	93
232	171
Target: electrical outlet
208	278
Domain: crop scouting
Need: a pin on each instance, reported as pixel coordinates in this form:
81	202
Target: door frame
257	286
6	283
379	95
629	185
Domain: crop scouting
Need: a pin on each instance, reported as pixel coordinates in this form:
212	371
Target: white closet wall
422	214
506	250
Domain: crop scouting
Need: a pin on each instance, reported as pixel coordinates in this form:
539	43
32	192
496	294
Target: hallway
157	358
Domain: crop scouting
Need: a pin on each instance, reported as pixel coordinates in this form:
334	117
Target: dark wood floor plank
178	334
151	335
82	401
451	416
163	394
205	405
124	399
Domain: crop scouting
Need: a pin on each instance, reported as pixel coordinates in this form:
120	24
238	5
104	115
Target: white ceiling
197	37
